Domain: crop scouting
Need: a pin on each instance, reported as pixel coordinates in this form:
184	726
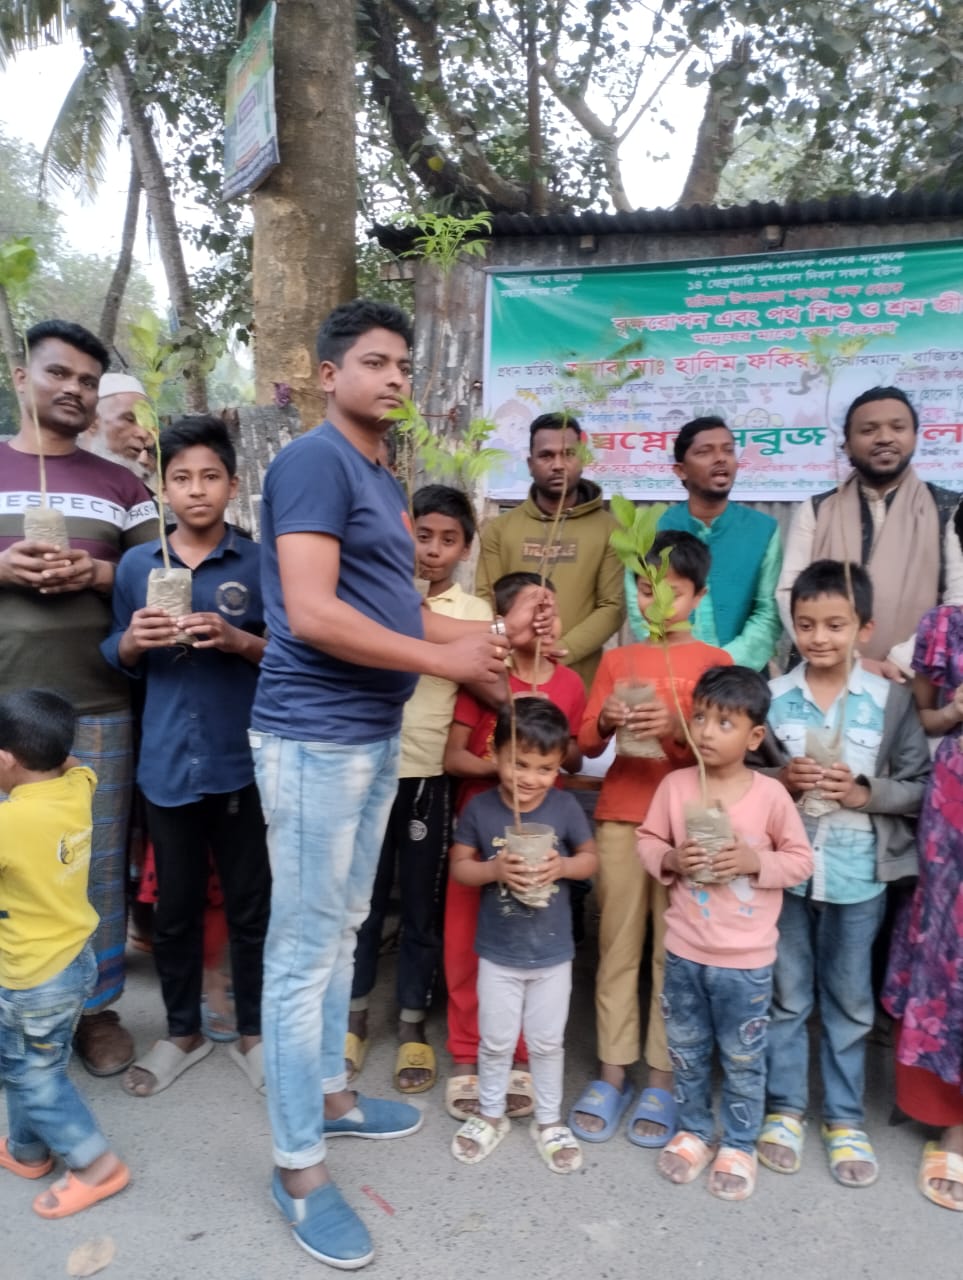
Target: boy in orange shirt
626	893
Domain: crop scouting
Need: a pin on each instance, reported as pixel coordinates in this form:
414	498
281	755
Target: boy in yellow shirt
47	965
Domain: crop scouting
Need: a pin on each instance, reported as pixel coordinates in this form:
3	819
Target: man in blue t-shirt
347	633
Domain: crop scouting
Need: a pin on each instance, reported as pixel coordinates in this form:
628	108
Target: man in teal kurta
738	612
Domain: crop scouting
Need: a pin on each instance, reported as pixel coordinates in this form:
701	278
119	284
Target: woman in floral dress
924	986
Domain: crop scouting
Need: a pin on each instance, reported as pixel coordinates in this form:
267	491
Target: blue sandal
606	1102
218	1026
658	1107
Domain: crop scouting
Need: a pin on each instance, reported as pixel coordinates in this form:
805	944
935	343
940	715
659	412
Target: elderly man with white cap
115	432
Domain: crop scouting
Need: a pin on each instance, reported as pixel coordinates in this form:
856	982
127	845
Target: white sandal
486	1137
551	1141
460	1089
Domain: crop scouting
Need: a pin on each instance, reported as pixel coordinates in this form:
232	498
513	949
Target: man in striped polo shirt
55	604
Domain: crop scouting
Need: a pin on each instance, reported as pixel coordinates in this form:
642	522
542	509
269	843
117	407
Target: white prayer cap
115	384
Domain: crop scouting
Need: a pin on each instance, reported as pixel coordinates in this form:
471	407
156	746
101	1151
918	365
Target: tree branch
654	94
715	140
600	132
393	90
459	125
107	329
160	204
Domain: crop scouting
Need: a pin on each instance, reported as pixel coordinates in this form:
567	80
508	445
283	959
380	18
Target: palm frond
75	155
27	24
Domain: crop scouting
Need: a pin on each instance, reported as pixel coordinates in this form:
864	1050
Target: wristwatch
498	628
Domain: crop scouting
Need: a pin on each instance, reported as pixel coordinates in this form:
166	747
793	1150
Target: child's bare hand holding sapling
735	859
550	869
651	720
687	859
613	714
211	631
149	628
801	774
839	784
512	870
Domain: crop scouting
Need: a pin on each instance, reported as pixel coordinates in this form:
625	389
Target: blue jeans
825	948
44	1110
326	806
705	1006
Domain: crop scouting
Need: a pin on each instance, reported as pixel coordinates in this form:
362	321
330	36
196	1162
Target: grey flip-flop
251	1063
166	1062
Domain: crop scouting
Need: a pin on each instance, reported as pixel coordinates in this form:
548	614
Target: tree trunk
160	204
304	213
534	110
118	283
12	346
716	138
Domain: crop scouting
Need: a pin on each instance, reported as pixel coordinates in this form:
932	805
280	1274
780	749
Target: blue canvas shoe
375	1118
325	1225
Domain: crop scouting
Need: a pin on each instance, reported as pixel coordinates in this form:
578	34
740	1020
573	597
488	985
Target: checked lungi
105	744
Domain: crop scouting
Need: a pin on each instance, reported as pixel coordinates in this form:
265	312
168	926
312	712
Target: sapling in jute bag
170	590
43	524
636	694
710	827
823	746
532	841
632	542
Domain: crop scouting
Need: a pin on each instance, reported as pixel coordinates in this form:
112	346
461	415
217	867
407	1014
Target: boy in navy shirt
195	768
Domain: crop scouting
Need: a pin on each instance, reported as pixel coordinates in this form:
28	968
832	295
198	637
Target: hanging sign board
250	122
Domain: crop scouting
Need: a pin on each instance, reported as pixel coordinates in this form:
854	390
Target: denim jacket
896	788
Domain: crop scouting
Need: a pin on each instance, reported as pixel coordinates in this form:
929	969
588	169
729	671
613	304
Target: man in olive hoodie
581	563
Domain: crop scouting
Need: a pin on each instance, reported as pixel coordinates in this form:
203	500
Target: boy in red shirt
470	755
626	893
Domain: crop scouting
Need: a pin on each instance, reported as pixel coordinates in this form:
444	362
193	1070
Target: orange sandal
72	1195
740	1164
7	1161
946	1166
690	1148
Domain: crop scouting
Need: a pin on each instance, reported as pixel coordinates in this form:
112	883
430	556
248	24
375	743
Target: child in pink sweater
721	934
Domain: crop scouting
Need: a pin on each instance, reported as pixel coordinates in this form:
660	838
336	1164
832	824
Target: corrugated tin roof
901	206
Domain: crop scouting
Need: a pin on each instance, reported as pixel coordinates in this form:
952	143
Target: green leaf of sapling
623	510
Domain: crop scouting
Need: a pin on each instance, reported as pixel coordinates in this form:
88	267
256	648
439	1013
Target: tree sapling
18	262
707	822
169	588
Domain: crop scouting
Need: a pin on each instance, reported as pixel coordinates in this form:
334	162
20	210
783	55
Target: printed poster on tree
250	122
778	345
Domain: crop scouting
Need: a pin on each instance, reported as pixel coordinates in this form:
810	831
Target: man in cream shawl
887	519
